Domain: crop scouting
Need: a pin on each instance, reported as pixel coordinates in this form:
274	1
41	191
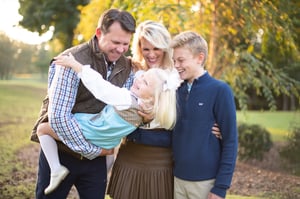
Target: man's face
115	42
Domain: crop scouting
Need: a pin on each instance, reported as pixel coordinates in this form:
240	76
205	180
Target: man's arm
62	96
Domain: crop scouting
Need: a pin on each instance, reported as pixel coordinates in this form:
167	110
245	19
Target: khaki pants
192	189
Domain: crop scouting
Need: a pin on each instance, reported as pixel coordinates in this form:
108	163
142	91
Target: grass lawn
20	103
19	108
278	123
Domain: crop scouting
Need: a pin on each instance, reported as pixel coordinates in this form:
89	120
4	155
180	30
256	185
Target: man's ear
98	33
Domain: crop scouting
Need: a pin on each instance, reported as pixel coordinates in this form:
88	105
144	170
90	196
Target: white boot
56	179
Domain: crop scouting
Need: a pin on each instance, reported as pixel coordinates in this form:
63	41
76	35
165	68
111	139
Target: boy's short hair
192	41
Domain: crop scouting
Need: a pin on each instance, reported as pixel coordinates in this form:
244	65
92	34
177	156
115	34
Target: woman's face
153	56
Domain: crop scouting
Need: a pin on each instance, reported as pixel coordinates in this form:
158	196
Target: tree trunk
211	67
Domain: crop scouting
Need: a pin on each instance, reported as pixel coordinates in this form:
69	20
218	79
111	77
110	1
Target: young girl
154	90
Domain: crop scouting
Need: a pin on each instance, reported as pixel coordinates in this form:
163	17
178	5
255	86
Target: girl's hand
68	61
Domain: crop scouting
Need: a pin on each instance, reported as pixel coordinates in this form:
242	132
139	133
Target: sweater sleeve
104	90
225	114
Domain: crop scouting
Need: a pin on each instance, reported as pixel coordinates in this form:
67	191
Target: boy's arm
226	118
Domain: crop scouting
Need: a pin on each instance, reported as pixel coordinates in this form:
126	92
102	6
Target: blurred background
253	46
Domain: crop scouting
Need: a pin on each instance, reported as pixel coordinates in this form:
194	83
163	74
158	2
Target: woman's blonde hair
164	104
158	35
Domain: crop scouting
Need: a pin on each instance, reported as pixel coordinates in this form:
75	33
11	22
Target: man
203	163
86	162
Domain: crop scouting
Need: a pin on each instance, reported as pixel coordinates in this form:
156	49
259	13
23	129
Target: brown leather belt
63	148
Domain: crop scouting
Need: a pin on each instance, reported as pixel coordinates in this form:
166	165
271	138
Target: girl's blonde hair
164	106
158	35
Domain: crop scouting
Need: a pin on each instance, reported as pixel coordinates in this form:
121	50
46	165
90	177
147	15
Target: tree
42	15
16	57
261	47
7	52
42	59
23	59
253	44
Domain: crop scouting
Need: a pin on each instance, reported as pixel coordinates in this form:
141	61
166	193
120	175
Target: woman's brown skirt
142	172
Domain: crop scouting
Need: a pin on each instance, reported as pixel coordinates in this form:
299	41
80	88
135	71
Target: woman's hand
146	112
147	117
216	131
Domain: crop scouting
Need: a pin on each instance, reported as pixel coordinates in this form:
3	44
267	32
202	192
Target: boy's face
187	64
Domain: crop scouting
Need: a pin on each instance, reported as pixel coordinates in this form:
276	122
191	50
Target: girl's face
144	85
153	56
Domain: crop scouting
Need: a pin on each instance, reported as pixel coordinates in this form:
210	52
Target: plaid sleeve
129	81
62	95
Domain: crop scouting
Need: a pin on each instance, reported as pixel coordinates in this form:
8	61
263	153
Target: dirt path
250	179
266	178
253	181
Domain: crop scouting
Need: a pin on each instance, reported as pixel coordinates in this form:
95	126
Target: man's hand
105	152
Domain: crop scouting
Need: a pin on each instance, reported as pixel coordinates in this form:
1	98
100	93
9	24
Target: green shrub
291	150
254	141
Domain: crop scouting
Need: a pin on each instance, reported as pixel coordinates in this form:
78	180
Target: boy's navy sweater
198	154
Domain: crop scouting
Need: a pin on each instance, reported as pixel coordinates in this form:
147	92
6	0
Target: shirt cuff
219	191
79	75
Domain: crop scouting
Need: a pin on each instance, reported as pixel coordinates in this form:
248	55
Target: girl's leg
110	159
48	144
